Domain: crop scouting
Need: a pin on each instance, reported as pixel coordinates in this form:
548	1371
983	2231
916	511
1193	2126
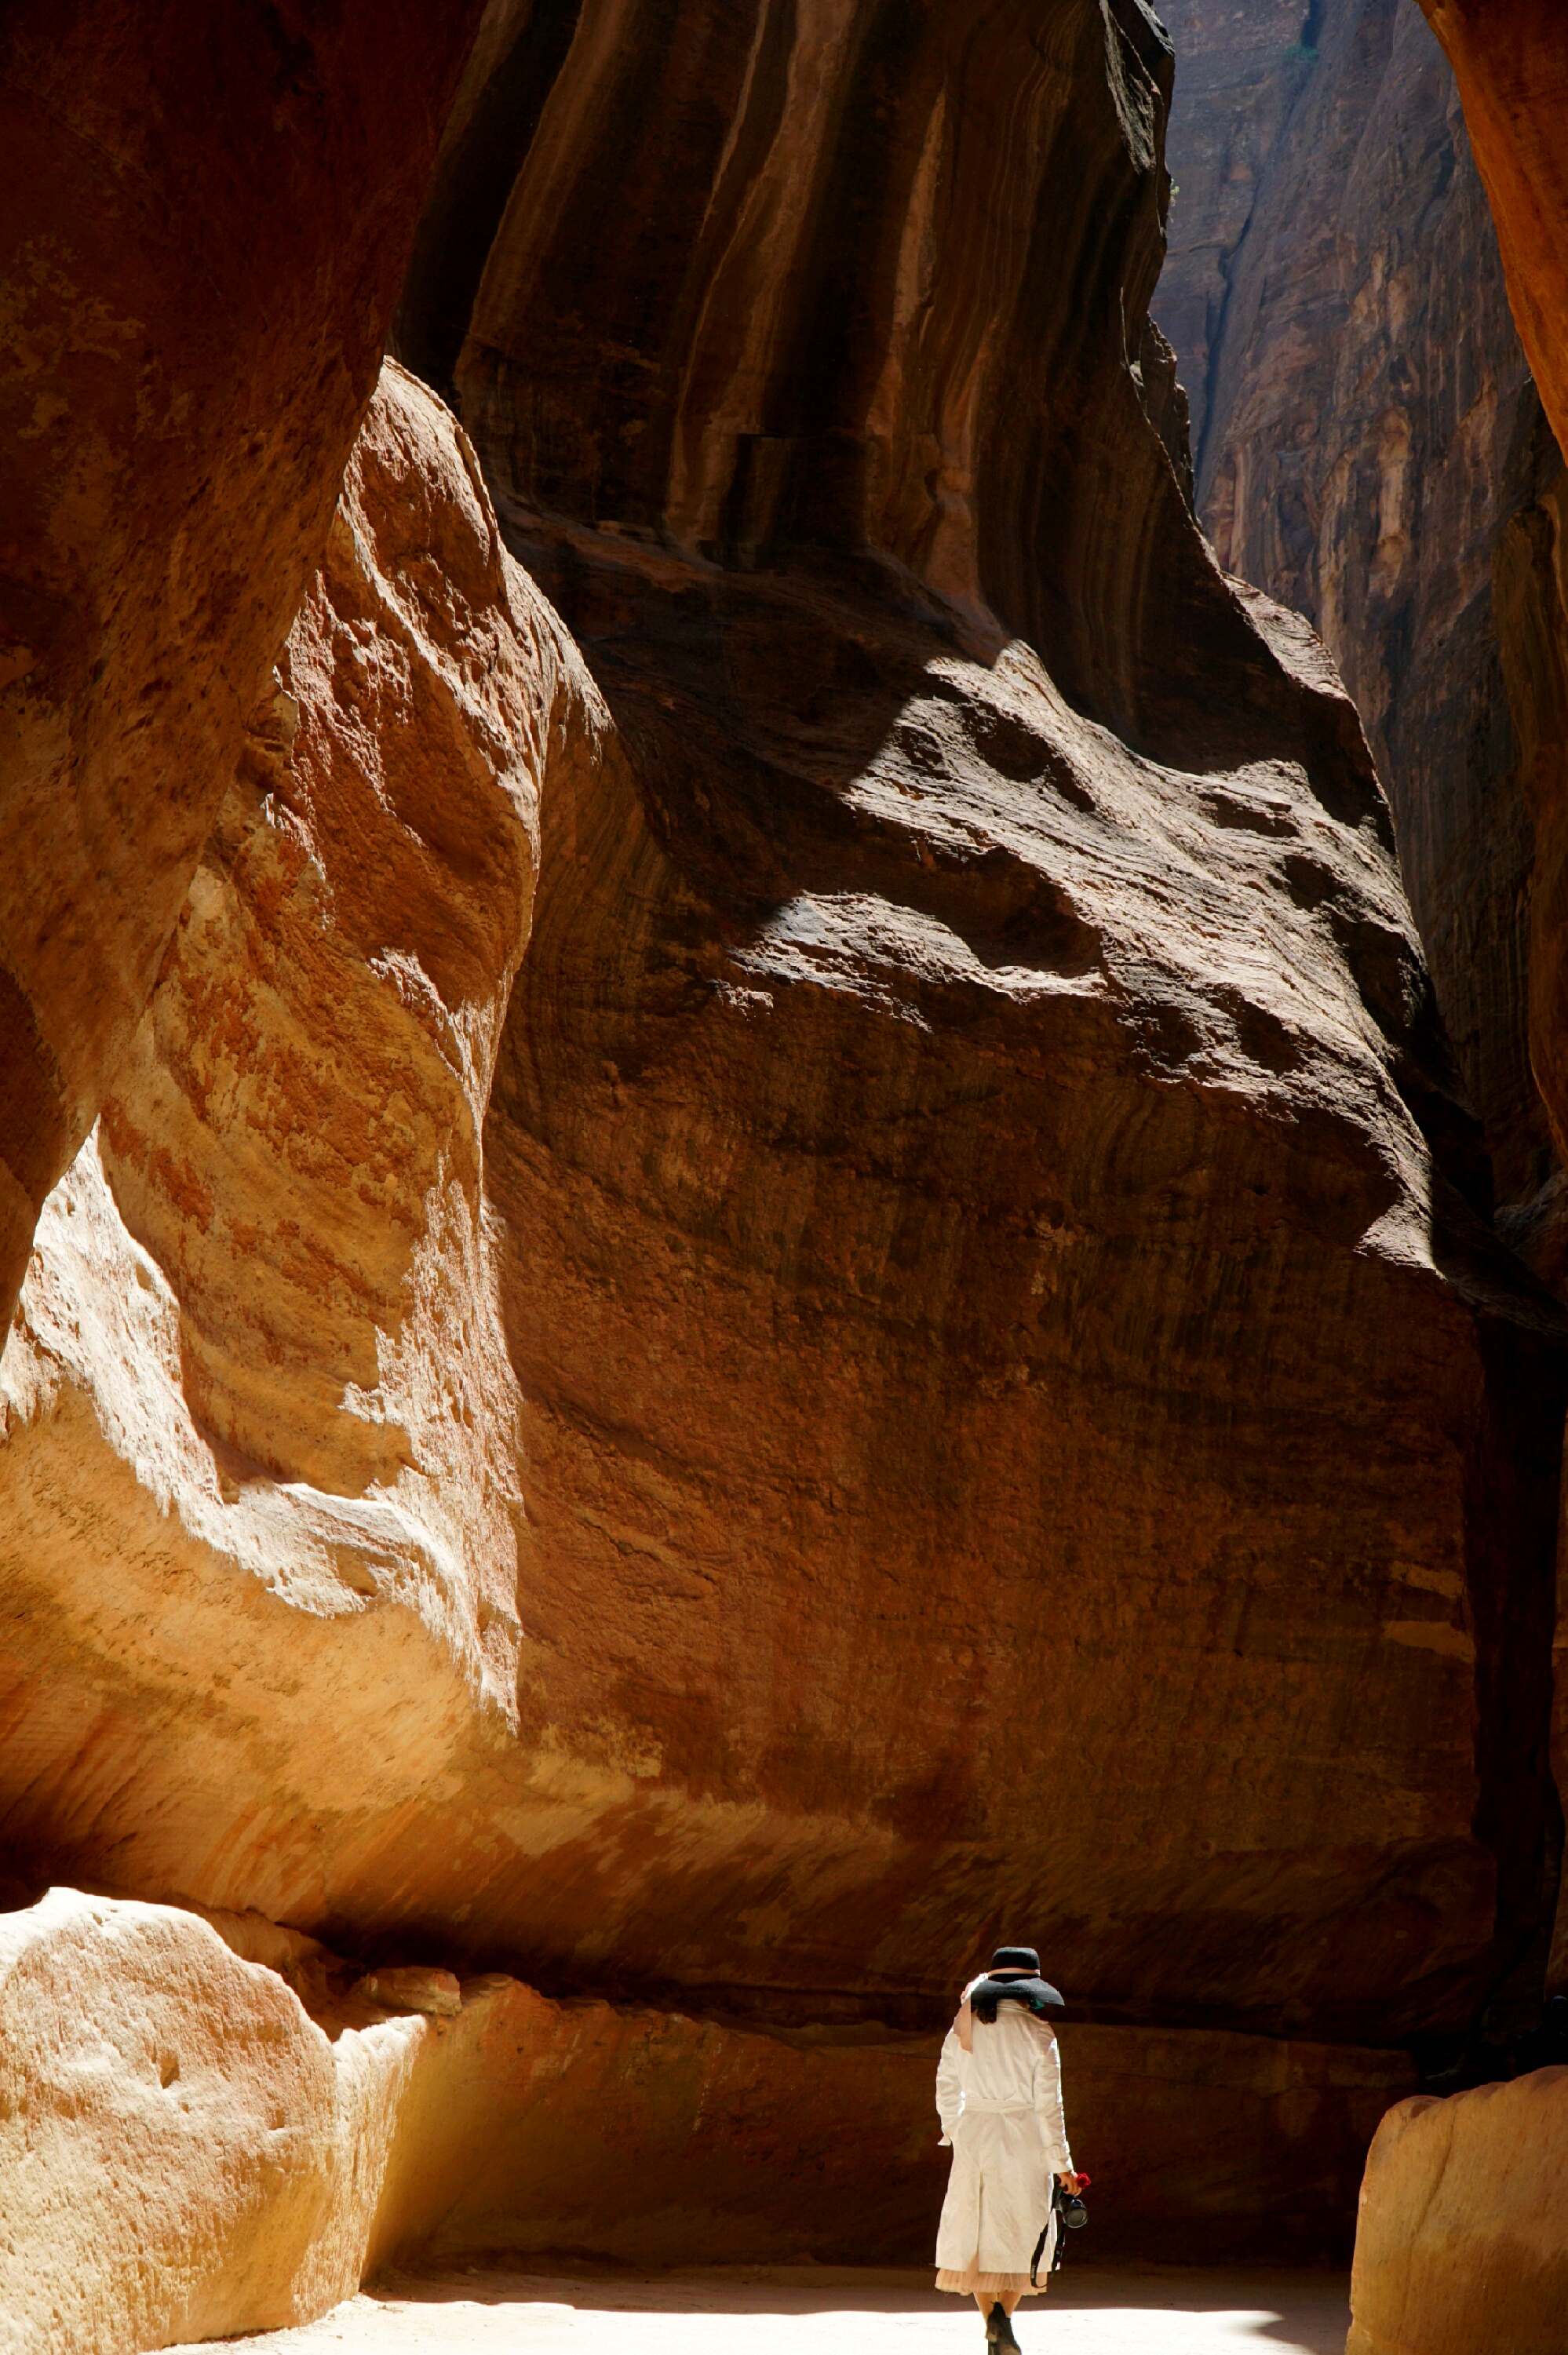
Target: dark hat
1015	1958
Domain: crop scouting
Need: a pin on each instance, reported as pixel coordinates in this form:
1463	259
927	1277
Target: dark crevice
473	182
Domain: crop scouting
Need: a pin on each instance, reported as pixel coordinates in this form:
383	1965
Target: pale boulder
168	2129
184	2152
1462	2240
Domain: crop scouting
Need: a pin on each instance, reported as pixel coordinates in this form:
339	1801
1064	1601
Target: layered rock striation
866	836
927	1306
1241	71
1462	2225
1508	60
261	1360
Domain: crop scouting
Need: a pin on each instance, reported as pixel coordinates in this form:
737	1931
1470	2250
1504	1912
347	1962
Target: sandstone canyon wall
1368	428
206	216
1507	59
788	1269
1508	62
711	492
1371	449
1462	2225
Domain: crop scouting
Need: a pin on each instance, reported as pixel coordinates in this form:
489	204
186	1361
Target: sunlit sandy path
801	2311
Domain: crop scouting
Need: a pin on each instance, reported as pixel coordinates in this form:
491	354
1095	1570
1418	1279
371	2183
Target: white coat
1000	2107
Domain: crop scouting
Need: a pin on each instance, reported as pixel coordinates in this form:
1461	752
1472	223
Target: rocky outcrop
1532	604
787	1271
651	2138
207	213
261	1355
1336	295
858	838
1368	454
196	2142
1462	2240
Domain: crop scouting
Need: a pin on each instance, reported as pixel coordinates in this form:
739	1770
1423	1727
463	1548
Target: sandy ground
810	2310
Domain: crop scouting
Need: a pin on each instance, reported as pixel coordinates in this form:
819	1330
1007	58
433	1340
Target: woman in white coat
999	2095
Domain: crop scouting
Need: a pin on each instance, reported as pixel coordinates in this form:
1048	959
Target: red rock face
269	1279
1241	70
208	214
1373	454
855	846
160	2198
566	2126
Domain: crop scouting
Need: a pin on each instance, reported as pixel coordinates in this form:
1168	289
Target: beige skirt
973	2283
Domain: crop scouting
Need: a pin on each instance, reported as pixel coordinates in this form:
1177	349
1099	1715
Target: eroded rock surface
1241	70
1336	296
171	2142
207	213
1337	302
1508	60
1462	2236
261	1362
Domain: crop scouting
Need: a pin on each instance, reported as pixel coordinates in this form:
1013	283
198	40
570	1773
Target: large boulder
181	2156
1461	2235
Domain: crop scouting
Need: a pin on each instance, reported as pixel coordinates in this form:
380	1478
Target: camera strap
1058	2210
1040	2244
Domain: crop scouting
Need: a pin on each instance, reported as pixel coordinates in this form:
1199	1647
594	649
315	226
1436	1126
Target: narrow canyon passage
783	1174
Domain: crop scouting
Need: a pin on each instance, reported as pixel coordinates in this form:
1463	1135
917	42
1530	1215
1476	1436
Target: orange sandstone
207	212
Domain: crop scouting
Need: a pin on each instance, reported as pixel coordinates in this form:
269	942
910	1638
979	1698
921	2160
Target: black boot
999	2332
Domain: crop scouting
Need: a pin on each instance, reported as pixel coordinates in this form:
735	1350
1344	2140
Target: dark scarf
1035	1994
